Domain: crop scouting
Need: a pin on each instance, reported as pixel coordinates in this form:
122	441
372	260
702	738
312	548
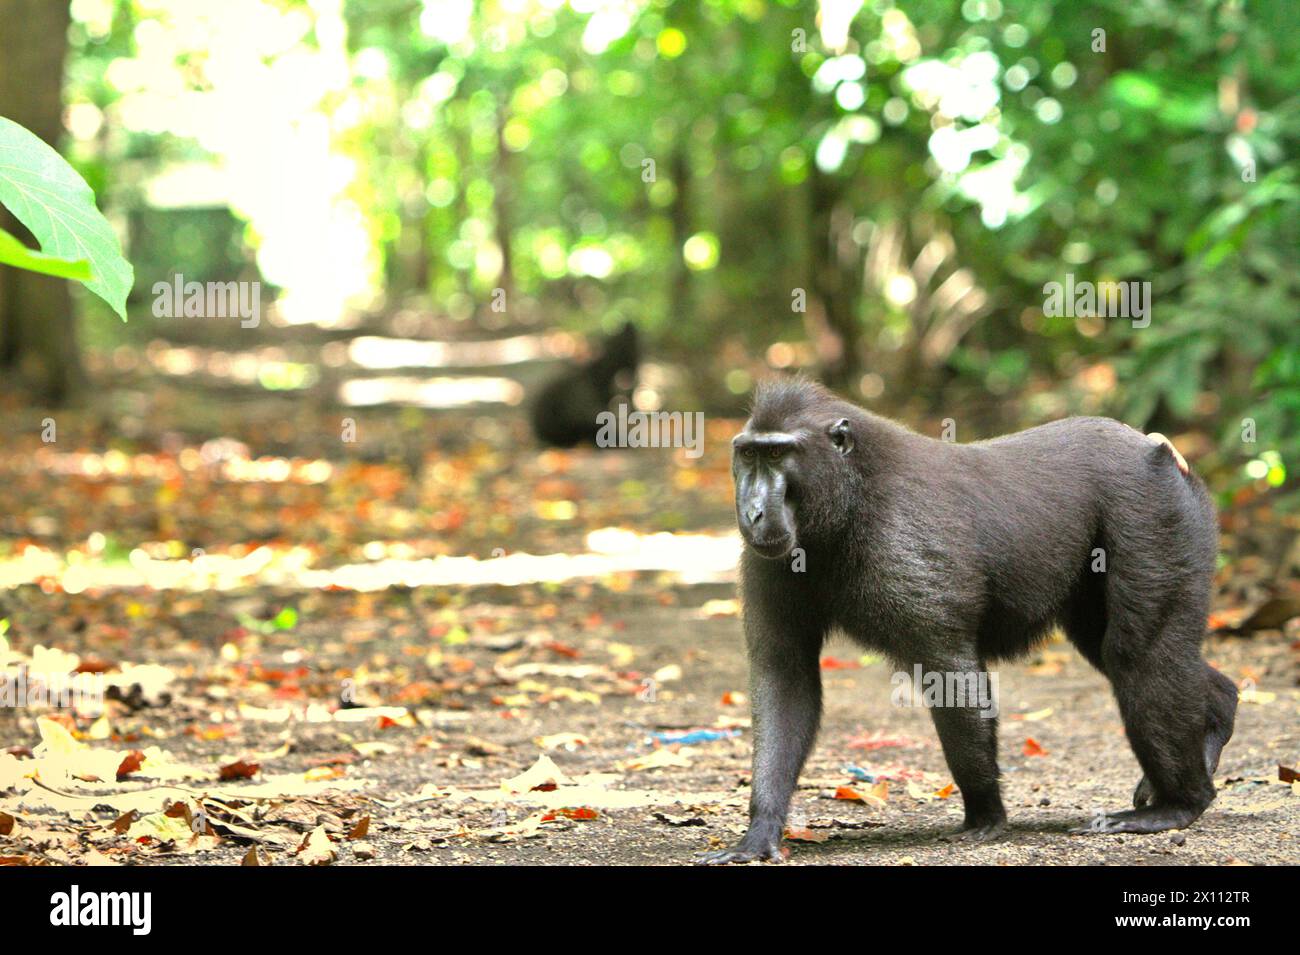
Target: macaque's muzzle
765	520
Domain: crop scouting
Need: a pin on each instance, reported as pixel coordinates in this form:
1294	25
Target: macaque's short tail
1161	440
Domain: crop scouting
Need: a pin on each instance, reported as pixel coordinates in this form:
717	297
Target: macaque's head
789	468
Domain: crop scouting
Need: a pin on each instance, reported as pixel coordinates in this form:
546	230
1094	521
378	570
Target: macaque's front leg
786	689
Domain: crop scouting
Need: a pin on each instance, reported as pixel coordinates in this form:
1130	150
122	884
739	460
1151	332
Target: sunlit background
443	201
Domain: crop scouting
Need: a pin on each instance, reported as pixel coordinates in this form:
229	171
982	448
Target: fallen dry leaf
253	857
566	741
239	769
582	813
543	776
317	848
660	758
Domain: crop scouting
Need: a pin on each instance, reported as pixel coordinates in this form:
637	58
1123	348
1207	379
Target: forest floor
315	649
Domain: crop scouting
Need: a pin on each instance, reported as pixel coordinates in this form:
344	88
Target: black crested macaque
953	556
564	414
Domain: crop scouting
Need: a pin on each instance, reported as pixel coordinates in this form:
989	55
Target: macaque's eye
775	454
747	454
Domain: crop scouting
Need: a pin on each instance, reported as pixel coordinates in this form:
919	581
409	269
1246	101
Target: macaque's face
766	468
772	469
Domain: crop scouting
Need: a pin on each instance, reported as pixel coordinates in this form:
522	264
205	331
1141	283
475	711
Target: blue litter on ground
862	775
691	737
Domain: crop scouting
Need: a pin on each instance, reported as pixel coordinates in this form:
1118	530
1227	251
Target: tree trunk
680	310
503	195
833	287
37	325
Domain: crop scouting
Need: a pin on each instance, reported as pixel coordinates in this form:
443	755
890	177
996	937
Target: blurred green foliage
919	172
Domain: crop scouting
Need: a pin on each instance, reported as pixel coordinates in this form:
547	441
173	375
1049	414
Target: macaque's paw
746	850
983	831
1154	818
1144	795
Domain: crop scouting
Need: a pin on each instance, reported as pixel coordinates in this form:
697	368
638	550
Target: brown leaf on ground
239	769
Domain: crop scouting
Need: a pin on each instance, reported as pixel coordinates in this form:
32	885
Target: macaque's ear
841	436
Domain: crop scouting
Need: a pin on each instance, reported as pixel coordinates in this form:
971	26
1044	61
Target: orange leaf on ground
239	769
877	740
320	773
583	813
1032	747
131	763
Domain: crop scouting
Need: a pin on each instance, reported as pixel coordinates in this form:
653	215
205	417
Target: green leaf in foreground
48	197
13	252
286	619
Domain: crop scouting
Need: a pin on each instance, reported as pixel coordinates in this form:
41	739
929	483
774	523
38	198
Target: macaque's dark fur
564	414
955	556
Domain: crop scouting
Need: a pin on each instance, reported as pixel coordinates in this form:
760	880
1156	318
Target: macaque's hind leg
1162	685
969	735
1220	718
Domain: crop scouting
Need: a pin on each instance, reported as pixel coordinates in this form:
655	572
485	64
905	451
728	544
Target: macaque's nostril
754	514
